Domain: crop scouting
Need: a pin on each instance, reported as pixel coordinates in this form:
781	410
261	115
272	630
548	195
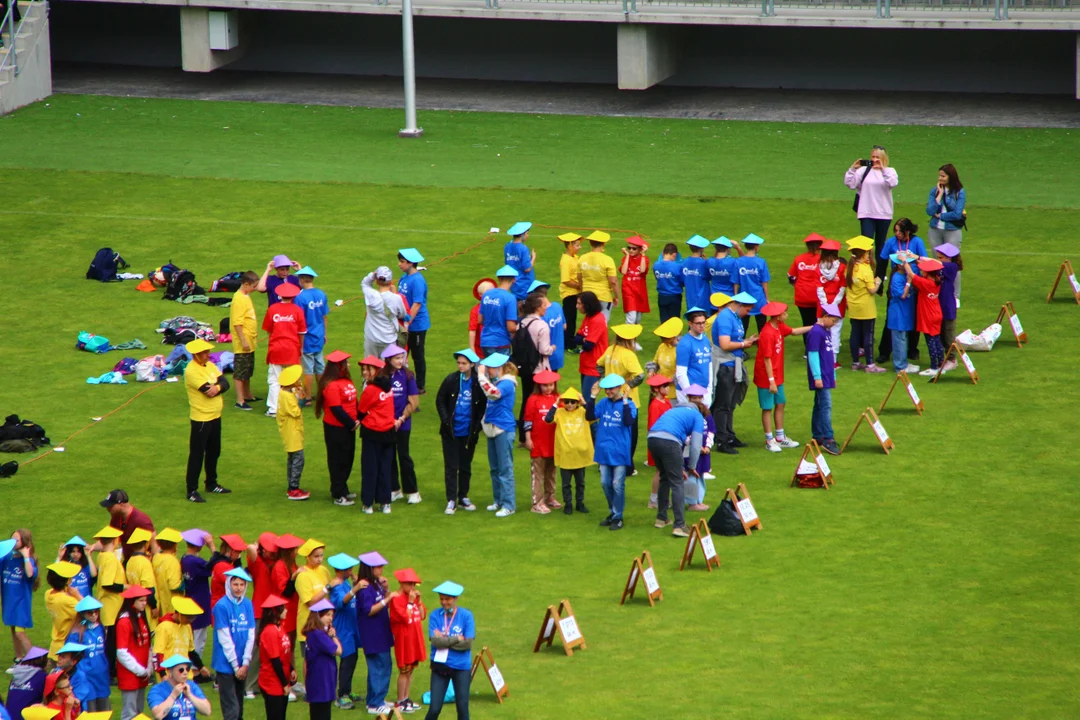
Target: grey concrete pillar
647	55
195	52
1078	66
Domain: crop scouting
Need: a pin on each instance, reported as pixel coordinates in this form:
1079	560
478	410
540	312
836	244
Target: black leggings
862	338
275	705
527	386
345	675
418	360
808	315
759	319
319	711
340	455
578	476
569	309
457	466
204	448
403	461
110	649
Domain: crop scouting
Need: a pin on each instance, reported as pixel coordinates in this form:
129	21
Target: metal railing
881	8
8	26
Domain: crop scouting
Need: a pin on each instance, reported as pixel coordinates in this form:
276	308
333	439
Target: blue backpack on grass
105	265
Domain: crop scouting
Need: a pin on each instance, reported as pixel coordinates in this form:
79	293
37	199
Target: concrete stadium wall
713	56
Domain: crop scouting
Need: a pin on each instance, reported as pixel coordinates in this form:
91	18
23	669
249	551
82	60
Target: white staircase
25	61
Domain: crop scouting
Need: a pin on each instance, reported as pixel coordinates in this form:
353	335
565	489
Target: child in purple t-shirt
820	357
321	649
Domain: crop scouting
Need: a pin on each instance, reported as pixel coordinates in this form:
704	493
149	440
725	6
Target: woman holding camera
945	206
873	182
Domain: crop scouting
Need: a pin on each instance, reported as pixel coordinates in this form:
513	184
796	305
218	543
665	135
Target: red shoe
298	494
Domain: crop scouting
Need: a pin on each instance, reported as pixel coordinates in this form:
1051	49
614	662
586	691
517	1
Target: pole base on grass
411	133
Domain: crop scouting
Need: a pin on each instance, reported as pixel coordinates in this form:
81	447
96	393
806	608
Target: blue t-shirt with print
414	288
463	407
497	307
753	271
316	307
556	320
669	277
458	621
519	257
182	708
901	314
695	272
17	591
500	413
728	323
696	355
723	273
612	445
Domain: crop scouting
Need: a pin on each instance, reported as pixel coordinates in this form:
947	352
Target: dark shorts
243	366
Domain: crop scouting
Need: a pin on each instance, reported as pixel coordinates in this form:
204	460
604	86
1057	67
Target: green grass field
939	581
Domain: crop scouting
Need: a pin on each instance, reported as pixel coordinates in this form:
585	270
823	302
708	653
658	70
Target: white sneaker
788	442
343	502
368	510
396	495
911	369
504	512
249	696
493	507
949	365
929	372
708	476
466	504
451	508
386	509
772	446
351	496
415	499
270	414
292	696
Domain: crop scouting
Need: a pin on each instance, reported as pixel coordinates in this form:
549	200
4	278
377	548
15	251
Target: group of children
140	614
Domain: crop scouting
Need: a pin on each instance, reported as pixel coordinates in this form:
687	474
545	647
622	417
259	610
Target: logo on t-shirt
691	271
808	266
284	318
491	300
748	271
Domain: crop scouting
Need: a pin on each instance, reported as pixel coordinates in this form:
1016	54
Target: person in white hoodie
385	309
234	642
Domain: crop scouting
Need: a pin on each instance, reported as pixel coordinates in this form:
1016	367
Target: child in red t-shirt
285	323
407	613
832	287
928	309
378	429
769	374
634	270
275	678
540	439
658	405
592	338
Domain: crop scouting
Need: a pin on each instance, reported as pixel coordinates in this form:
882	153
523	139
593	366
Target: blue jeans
613	481
878	230
439	683
378	678
485	351
501	460
821	417
899	349
587	381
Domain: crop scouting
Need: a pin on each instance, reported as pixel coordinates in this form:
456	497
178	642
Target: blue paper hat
411	255
519	228
341	561
722	240
468	354
239	573
611	381
752	239
306	270
6	547
495	360
693	310
745	298
73	647
698	242
76	540
87	604
506	271
895	259
175	660
449	588
538	284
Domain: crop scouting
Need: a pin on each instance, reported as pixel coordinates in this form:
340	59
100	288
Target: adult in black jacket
461	405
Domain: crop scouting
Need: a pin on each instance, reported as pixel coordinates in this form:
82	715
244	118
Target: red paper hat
408	575
268	540
814	237
273	601
50	683
289	542
930	265
235	542
134	591
636	241
476	287
372	361
546	376
658	380
338	356
830	245
287	290
774	308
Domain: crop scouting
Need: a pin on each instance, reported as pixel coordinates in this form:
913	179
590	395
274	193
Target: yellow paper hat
719	299
108	532
310	546
570	394
672	327
290	375
626	332
169	535
39	712
139	535
186	606
569	237
100	715
64	569
860	242
598	236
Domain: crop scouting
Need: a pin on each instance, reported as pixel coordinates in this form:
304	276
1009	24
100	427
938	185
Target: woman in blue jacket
945	206
615	415
497	380
667	437
452	631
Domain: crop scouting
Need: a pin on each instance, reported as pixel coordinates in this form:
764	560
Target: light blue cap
752	239
239	573
696	391
73	647
698	242
538	284
506	271
450	588
519	228
411	255
895	259
745	298
468	354
76	540
341	561
611	381
495	360
306	270
6	547
87	604
722	240
693	310
173	661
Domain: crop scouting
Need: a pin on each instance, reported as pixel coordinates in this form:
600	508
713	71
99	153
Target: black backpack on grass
725	521
105	265
181	284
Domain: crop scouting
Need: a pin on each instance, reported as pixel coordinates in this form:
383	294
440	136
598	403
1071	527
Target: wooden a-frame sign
902	377
1067	271
486	662
700	535
392	714
965	361
642	569
874	423
813	459
744	507
1008	311
560	619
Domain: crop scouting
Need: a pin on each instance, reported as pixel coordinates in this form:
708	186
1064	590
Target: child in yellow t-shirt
245	327
140	571
167	572
573	447
664	359
60	601
290	423
111	576
861	308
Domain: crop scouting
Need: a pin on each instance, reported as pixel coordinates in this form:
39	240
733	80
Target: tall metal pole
410	130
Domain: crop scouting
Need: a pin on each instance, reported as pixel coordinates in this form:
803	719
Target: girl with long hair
592	338
276	673
862	310
133	666
946	208
91	677
18	582
406	404
74	551
336	405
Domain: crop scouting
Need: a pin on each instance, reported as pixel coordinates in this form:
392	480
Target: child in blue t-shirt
497	308
669	283
723	267
496	374
754	279
316	307
695	271
614	414
90	681
901	315
518	256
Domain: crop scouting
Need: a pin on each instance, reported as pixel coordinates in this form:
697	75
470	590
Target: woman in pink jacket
873	182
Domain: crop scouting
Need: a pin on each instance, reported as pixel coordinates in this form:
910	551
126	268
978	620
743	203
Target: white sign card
879	430
746	509
914	395
967	362
633	576
1014	320
497	681
1075	283
820	460
550	627
806	468
649	576
707	546
569	628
